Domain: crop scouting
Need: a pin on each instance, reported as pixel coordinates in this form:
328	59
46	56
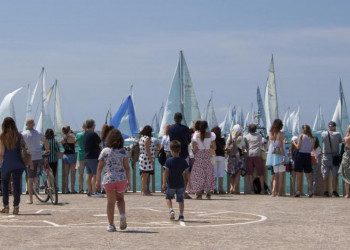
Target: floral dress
233	159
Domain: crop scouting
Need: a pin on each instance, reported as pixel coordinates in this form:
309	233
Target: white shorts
219	166
279	169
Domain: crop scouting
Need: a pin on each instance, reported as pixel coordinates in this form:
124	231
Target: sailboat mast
182	90
42	100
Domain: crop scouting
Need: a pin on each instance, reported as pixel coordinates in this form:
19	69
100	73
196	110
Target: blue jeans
16	181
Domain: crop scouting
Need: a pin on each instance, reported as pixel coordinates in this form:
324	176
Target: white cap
295	139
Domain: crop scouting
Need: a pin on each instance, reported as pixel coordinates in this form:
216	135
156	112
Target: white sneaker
172	215
97	195
123	224
111	228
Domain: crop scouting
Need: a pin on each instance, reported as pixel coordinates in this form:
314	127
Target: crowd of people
195	161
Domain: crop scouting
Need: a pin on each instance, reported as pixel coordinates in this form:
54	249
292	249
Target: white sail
271	104
225	126
191	109
319	123
286	122
296	122
247	121
7	108
261	110
155	124
45	121
340	116
210	116
30	100
181	97
58	118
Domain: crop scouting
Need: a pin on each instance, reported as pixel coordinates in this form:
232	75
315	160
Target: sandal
5	210
199	197
208	197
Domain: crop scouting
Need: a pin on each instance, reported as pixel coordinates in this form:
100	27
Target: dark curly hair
115	139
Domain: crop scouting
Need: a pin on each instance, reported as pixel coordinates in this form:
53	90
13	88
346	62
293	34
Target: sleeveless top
306	145
12	159
274	144
69	148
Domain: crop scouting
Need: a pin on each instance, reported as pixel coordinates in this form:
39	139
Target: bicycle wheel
51	187
40	187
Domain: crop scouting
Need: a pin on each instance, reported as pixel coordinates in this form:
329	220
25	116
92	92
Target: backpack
135	153
161	156
257	186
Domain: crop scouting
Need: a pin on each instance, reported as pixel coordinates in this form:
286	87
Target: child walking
116	177
173	180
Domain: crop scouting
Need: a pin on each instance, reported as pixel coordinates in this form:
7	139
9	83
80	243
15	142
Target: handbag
161	156
276	151
25	154
335	158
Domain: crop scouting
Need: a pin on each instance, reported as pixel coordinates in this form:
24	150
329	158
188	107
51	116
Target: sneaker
111	228
297	195
88	194
181	218
172	215
123	224
187	196
335	194
309	195
97	195
81	191
326	194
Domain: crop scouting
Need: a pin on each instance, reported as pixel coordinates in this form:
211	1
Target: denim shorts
38	164
170	192
91	166
69	159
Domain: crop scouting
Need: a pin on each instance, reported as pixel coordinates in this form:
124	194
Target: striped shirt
54	149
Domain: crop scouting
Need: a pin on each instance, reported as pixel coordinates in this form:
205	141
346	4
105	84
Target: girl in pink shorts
116	179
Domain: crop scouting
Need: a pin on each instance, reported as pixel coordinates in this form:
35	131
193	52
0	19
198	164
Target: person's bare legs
88	183
292	183
335	183
236	182
181	207
309	183
144	181
280	183
72	178
81	177
262	182
221	185
111	199
65	172
347	185
325	184
299	182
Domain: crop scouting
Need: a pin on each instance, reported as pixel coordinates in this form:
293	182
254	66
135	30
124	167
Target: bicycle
45	187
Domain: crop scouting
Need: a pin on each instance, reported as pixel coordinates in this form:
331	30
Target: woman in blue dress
276	156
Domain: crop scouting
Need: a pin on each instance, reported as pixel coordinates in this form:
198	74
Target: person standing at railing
344	169
331	140
146	158
254	143
305	145
219	159
276	156
316	162
68	160
11	164
92	150
33	139
80	166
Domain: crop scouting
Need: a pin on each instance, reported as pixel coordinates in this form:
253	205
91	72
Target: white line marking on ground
51	223
104	215
182	224
39	211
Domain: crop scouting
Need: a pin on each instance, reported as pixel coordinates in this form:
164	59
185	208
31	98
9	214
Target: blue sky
97	49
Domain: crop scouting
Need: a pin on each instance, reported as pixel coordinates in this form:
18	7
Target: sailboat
294	121
210	116
287	127
319	123
226	125
271	104
181	97
125	119
7	108
261	110
45	121
340	116
155	124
